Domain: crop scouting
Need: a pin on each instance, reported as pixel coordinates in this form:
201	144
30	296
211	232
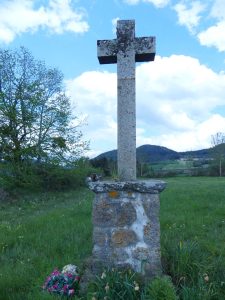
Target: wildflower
55	272
107	287
206	277
136	286
71	269
71	292
103	275
182	278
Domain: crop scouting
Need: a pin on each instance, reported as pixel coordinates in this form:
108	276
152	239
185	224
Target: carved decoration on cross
125	51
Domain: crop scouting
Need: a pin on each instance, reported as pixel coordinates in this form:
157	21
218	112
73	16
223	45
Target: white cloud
189	15
176	102
157	3
213	36
114	23
20	16
217	10
94	94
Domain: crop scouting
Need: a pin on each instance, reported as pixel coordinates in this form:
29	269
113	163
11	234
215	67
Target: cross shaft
125	51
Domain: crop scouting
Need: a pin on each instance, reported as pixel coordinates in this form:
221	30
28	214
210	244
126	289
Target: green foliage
183	261
57	178
108	166
50	230
53	229
161	288
191	217
46	176
115	284
36	120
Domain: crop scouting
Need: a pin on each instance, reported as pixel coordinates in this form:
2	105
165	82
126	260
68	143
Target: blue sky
180	96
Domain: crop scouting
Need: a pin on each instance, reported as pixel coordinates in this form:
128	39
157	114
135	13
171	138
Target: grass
39	232
193	234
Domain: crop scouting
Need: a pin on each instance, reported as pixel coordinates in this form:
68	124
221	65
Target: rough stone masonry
126	225
126	230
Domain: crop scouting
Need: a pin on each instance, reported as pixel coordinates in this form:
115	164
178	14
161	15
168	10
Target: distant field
41	232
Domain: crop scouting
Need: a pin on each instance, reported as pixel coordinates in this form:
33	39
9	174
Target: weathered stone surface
153	266
108	212
101	237
119	255
124	51
152	234
151	206
141	253
126	227
123	238
126	215
103	213
113	194
144	186
102	254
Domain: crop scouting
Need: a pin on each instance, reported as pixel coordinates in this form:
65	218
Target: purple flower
71	292
61	283
56	272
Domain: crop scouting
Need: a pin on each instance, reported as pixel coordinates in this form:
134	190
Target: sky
180	96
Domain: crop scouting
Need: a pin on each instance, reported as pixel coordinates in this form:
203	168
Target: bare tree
218	149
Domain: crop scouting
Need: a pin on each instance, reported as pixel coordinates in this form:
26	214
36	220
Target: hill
153	153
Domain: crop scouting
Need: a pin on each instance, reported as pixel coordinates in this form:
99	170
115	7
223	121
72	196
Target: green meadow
43	231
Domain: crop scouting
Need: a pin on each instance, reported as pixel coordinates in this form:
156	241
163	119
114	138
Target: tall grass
193	236
39	232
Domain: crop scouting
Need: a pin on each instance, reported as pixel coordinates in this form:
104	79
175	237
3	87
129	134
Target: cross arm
144	49
107	51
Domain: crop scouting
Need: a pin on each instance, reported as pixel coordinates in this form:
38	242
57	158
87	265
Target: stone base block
126	229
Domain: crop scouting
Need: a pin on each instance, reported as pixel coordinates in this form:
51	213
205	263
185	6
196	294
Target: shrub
58	178
161	288
45	176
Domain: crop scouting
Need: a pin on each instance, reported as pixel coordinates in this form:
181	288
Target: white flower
206	277
72	269
107	287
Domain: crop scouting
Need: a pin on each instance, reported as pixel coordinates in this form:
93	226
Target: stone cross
125	51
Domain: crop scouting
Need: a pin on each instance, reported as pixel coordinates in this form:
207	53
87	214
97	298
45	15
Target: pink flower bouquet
63	283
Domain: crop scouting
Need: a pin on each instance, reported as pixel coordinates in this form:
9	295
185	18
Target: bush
58	178
44	176
161	288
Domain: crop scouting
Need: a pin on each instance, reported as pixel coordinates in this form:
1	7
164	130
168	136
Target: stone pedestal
126	229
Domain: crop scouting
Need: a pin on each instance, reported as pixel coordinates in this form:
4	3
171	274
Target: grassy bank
44	231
